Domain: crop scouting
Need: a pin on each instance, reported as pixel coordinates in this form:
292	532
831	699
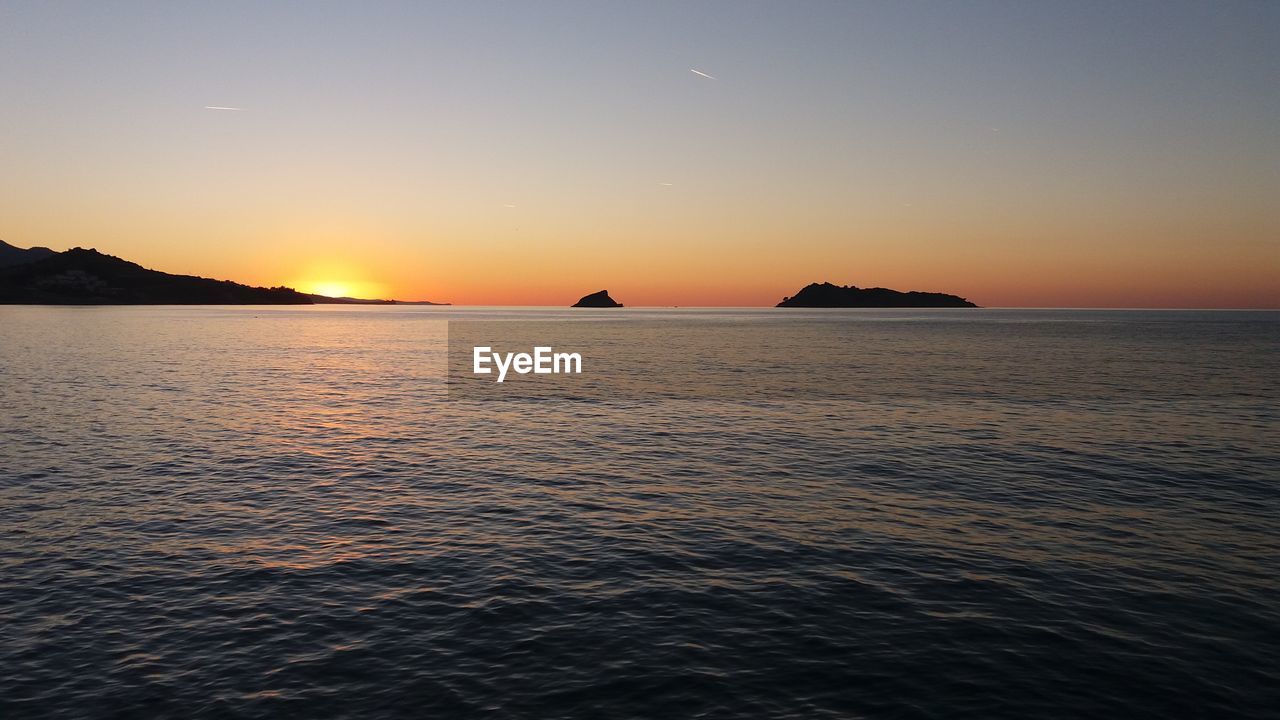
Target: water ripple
290	532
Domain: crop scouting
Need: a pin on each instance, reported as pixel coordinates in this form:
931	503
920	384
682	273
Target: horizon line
442	303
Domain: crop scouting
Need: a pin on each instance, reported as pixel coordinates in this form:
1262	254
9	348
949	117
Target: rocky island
827	295
597	300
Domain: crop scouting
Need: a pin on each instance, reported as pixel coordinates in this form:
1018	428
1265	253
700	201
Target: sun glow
337	279
330	289
342	288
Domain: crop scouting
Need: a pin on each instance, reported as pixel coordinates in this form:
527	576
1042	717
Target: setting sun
330	289
343	288
337	279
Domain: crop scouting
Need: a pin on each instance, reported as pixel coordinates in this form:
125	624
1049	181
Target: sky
1079	154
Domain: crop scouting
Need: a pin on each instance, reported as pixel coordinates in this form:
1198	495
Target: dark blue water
255	512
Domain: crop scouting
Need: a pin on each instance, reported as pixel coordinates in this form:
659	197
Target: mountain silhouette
597	300
88	277
10	255
827	295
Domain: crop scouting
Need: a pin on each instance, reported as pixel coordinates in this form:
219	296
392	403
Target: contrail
219	107
699	72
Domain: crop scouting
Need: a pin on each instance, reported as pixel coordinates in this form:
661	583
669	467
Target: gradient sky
1016	153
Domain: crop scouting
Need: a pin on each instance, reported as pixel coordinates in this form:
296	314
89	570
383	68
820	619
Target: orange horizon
1064	155
990	289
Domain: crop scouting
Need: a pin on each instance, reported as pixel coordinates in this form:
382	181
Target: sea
288	512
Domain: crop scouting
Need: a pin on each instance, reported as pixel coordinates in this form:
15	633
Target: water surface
277	512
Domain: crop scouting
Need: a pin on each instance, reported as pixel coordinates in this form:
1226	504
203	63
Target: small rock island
827	295
597	300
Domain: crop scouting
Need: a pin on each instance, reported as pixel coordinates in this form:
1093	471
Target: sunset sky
1016	153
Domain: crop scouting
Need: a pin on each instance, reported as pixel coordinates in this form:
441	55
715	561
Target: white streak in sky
665	184
219	107
699	72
